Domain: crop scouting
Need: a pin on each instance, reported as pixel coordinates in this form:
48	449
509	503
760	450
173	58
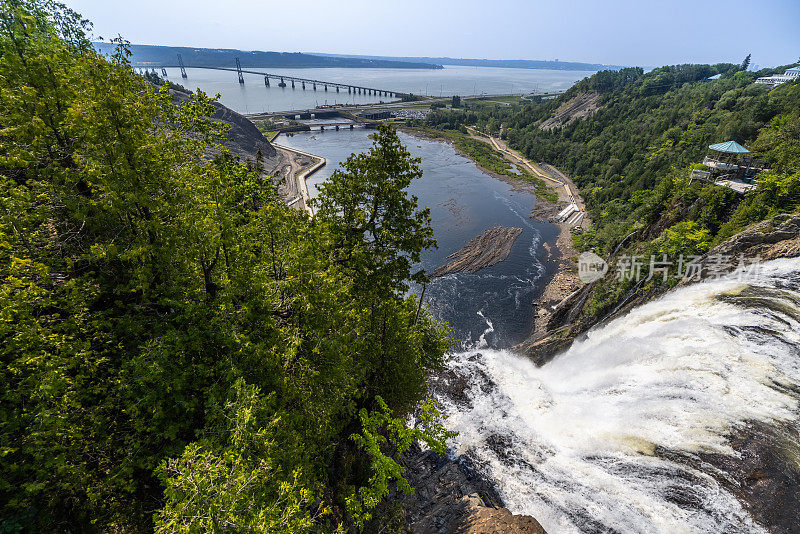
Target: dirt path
564	187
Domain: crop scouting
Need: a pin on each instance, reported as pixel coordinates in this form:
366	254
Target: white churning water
610	436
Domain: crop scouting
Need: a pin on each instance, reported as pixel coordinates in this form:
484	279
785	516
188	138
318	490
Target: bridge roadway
322	126
312	82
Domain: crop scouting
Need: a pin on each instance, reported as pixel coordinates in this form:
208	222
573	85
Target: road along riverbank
301	166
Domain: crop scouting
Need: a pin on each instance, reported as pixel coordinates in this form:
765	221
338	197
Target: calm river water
492	307
254	97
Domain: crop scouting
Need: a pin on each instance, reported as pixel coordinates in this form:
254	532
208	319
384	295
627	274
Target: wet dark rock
453	385
765	476
451	497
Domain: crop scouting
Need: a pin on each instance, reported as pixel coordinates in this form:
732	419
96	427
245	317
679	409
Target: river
663	421
254	97
493	306
680	417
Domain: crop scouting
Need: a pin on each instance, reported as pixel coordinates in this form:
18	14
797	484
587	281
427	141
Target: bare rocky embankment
244	140
491	247
778	237
578	107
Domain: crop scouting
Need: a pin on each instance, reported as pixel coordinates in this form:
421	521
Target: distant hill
502	63
167	56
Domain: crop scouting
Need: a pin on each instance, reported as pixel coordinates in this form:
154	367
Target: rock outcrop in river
491	247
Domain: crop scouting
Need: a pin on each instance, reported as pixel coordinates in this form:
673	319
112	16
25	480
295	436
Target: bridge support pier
326	87
304	86
183	69
266	81
337	88
315	87
239	71
349	89
337	127
292	84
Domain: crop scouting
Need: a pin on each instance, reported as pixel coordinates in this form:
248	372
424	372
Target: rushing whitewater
615	435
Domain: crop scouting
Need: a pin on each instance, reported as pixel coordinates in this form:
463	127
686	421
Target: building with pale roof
728	164
777	79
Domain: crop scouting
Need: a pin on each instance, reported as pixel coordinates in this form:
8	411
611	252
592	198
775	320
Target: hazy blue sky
643	32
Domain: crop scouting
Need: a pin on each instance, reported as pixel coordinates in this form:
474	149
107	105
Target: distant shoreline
167	56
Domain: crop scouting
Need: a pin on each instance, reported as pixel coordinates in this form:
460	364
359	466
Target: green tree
746	63
166	319
378	230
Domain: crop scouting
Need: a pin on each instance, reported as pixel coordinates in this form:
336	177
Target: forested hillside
632	156
179	351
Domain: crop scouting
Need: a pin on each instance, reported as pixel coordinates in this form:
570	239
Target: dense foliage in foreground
178	349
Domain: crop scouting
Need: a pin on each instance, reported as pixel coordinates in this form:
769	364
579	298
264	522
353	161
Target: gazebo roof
730	147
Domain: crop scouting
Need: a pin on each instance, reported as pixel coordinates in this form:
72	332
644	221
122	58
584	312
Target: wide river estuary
254	97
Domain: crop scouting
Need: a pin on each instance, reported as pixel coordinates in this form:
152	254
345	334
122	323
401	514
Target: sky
615	32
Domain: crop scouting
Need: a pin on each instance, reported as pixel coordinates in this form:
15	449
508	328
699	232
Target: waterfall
630	429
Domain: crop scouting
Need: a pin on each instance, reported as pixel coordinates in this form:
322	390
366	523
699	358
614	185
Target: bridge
304	83
322	126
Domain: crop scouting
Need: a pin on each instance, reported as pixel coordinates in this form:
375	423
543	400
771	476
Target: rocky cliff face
578	107
243	139
778	237
450	497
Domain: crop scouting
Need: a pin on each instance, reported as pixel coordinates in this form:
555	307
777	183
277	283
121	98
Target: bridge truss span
315	85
